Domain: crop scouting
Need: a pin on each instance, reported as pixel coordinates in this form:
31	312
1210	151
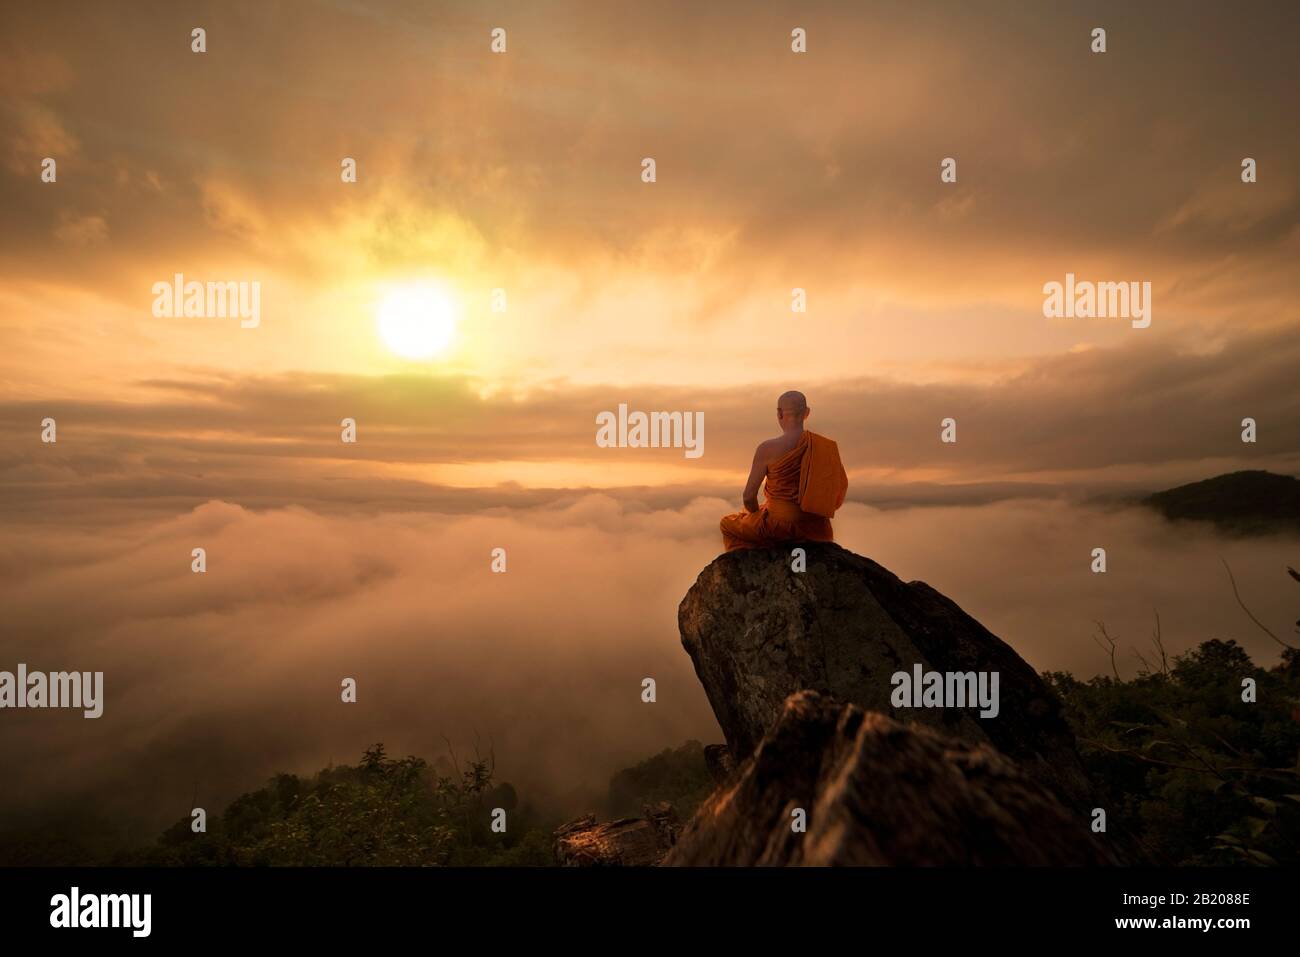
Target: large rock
758	632
627	842
879	792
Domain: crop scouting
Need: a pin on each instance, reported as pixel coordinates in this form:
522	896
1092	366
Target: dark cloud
826	163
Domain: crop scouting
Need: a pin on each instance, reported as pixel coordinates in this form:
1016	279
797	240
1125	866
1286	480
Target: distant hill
1246	503
679	776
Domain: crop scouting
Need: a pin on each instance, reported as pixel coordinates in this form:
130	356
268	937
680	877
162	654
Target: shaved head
794	401
791	410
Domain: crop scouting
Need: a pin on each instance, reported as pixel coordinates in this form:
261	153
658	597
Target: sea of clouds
215	681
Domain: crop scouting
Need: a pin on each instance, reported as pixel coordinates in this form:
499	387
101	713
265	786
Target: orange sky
522	171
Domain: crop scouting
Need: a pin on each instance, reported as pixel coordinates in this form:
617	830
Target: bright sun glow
418	321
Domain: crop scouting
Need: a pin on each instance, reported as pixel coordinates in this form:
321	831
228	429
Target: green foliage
383	812
676	775
1198	775
401	812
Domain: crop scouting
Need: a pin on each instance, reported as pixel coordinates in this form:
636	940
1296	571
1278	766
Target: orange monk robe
802	490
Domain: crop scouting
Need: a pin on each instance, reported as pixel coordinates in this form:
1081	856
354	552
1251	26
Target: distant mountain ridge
1252	502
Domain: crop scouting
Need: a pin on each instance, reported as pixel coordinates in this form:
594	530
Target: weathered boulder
879	792
758	632
627	842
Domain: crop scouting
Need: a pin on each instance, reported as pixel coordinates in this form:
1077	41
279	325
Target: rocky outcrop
799	667
875	791
628	842
758	632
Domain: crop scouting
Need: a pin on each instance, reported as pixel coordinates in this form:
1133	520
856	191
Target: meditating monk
805	485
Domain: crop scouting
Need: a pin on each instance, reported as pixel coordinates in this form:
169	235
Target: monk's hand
751	505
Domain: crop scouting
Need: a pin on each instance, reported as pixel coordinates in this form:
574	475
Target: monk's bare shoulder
768	450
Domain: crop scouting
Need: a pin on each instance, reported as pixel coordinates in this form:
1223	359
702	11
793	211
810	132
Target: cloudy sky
522	172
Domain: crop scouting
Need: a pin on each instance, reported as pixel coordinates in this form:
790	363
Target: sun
418	320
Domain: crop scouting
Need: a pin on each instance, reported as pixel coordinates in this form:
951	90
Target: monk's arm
756	473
